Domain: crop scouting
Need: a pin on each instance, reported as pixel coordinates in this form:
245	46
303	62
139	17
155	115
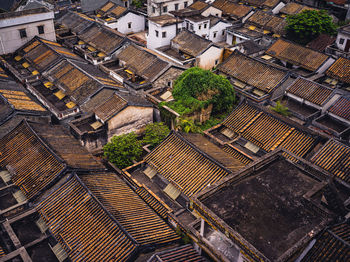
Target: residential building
189	49
120	18
18	28
163	7
233	11
161	30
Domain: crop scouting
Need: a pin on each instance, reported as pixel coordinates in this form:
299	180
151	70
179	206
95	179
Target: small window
223	32
214	34
176	7
341	41
164	34
217	14
187	24
22	33
169	83
41	29
199	27
126	3
129	25
216	61
157	33
165	9
185	4
205	25
191	27
153	9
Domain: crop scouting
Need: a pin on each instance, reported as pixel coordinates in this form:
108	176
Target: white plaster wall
137	23
10	39
208	58
153	41
220	28
198	27
158	5
326	65
342	36
278	7
212	11
130	119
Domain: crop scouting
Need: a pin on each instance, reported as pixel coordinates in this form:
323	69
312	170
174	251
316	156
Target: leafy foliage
281	109
188	126
309	24
137	3
155	133
123	149
197	88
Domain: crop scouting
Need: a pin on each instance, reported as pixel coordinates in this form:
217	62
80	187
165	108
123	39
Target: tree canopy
307	25
155	133
197	88
123	149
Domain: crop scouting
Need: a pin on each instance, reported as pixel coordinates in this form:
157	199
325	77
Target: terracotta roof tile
110	107
341	108
297	55
340	70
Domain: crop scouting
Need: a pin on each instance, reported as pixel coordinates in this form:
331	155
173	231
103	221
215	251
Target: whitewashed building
343	38
161	30
163	7
18	28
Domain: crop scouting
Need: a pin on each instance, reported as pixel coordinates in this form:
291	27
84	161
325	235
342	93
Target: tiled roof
34	164
190	43
67	147
340	70
268	22
198	5
332	245
266	131
294	8
321	42
231	8
252	72
110	107
42	54
310	91
111	9
271	3
136	217
141	62
21	101
185	166
102	38
180	254
334	157
75	83
297	55
75	22
85	231
341	108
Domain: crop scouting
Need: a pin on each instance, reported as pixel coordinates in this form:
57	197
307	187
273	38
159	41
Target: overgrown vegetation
155	133
309	24
124	149
197	88
281	109
137	3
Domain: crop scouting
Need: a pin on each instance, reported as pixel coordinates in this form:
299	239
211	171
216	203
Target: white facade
218	32
210	58
343	42
201	28
159	36
18	30
162	7
128	23
212	11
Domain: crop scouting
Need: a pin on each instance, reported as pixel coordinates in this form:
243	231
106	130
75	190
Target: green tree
123	149
188	126
281	109
197	88
307	25
155	133
137	3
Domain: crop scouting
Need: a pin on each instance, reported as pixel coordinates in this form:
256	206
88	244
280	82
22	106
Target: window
216	61
199	27
185	4
153	9
223	32
205	25
341	41
165	9
126	3
129	24
176	7
187	24
169	83
191	27
163	34
214	34
157	33
41	29
22	33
